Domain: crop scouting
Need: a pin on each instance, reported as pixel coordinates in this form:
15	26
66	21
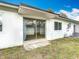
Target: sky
68	7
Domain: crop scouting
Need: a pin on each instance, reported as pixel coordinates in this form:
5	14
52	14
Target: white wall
12	32
77	28
55	34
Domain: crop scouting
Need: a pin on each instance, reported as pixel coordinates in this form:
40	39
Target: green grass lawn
67	48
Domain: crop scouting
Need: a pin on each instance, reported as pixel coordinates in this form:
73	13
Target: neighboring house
23	22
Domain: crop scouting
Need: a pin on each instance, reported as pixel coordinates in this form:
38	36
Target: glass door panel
35	29
40	29
30	26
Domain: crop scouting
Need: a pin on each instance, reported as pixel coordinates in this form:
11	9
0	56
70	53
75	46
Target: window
0	26
58	26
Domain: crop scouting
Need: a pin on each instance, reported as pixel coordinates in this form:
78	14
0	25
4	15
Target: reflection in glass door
35	29
40	28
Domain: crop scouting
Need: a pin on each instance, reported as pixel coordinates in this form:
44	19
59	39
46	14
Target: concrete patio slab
32	44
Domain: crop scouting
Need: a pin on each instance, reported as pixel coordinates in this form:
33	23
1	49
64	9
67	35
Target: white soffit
30	12
35	13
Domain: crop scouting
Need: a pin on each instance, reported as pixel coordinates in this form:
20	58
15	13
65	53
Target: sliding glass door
40	28
35	29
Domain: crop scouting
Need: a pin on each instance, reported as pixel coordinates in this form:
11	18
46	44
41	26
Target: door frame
35	29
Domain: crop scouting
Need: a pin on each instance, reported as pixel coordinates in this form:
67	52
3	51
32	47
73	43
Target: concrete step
32	44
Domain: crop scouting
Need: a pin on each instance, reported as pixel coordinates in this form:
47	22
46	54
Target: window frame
57	26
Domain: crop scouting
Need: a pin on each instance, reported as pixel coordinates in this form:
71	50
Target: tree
50	10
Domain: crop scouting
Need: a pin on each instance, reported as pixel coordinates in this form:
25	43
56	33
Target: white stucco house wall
12	24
